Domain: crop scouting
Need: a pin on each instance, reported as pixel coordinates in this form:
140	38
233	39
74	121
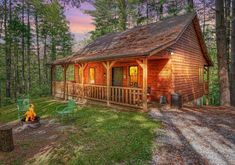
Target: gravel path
195	136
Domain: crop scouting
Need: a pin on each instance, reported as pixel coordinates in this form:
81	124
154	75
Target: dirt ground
30	141
195	136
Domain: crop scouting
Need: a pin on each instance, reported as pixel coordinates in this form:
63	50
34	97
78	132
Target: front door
117	76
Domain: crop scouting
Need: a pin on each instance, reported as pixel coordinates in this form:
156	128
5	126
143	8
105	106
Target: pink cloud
80	22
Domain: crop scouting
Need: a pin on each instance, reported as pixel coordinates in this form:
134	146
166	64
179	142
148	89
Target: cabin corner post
65	66
208	80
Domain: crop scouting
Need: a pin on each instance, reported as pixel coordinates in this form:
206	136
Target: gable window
201	74
133	76
92	75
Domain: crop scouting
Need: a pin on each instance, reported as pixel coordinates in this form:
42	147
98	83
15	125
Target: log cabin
138	66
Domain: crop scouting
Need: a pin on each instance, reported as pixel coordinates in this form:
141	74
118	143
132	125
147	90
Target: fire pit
32	124
31	119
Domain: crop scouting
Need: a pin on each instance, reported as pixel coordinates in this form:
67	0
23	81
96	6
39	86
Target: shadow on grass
108	137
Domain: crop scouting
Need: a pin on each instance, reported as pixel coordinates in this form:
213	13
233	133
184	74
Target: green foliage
28	73
105	17
214	93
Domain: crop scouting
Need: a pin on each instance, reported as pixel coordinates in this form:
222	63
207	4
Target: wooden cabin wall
186	61
159	78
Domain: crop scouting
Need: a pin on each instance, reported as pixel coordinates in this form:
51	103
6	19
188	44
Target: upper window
92	75
133	74
201	74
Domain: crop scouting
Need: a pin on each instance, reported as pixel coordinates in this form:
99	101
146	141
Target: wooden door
117	76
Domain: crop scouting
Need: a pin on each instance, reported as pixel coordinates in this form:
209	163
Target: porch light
170	50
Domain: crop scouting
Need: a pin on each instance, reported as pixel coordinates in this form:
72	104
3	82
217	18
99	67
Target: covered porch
122	82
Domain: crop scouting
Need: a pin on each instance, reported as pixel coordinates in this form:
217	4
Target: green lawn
102	136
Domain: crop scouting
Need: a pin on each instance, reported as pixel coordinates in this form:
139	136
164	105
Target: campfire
30	118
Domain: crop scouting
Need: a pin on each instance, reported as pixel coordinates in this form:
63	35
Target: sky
80	23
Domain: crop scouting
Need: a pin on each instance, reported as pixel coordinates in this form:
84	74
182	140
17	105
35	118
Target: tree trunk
22	47
28	47
228	28
233	56
204	17
6	139
190	5
8	50
45	57
221	53
38	53
161	12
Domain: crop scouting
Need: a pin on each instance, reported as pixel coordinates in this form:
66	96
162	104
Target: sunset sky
80	23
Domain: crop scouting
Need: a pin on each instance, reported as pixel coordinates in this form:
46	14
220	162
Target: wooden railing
58	89
118	95
73	90
126	96
95	92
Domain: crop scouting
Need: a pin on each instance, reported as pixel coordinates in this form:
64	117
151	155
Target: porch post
145	84
108	65
108	82
65	70
82	80
144	66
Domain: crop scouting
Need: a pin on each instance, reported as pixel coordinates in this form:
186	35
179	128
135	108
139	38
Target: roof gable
135	42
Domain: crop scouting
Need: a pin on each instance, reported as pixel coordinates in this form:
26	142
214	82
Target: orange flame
30	114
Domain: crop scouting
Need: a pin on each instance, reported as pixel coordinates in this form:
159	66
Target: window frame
90	75
129	76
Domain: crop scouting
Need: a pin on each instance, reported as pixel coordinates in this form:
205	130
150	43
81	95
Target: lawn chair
69	109
22	107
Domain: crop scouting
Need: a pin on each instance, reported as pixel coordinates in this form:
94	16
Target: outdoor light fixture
170	50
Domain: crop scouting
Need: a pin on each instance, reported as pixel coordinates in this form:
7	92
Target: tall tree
7	25
228	29
122	6
233	55
221	53
190	5
28	47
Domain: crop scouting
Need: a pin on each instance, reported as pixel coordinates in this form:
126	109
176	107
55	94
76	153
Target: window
201	74
92	75
133	75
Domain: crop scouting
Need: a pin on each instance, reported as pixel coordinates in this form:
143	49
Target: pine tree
221	53
233	56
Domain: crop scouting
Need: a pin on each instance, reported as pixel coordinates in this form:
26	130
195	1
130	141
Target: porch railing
118	95
95	92
126	96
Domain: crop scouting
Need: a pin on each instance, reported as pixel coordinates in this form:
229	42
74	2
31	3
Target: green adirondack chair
22	107
69	109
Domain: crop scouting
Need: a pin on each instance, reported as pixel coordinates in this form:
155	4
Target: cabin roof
136	42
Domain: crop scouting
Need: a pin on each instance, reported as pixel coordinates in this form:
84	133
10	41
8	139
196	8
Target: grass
101	135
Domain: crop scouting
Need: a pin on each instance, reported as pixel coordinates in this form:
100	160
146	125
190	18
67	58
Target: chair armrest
59	107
